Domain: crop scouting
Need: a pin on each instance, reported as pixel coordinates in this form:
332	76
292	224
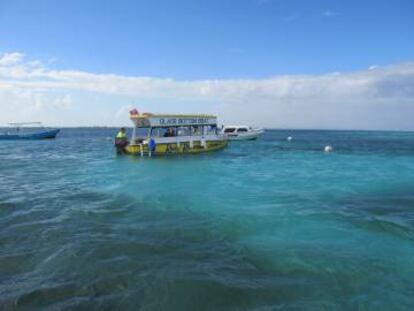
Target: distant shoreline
266	128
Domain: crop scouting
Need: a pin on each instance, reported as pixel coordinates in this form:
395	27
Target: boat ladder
141	151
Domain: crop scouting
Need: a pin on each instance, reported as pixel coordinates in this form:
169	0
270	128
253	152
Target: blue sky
187	39
250	42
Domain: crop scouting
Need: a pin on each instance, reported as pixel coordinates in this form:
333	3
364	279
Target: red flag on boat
134	112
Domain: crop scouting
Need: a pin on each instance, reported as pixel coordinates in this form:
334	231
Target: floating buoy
328	148
289	138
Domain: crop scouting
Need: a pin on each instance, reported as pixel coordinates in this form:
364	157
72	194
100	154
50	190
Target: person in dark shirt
169	133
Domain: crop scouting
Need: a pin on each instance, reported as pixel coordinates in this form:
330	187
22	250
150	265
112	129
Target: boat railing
19	124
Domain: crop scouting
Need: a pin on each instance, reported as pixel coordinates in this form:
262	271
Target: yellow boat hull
174	148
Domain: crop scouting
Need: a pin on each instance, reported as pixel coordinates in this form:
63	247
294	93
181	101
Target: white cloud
8	59
63	102
381	98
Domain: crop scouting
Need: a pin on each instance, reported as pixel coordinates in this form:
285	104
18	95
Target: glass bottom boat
164	134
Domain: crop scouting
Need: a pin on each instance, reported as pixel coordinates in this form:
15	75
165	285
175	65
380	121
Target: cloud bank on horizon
380	97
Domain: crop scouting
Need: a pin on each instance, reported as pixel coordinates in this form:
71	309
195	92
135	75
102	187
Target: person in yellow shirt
121	140
121	134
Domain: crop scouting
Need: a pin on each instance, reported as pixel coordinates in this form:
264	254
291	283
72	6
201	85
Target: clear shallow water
264	225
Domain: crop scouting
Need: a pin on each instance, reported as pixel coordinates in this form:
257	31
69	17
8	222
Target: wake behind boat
20	132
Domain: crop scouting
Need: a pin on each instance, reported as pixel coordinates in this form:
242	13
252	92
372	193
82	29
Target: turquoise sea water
262	225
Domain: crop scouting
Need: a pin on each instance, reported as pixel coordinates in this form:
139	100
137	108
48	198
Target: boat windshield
229	130
242	129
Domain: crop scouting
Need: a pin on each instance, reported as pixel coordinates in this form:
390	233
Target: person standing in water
121	140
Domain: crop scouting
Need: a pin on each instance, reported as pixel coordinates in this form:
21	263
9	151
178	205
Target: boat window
242	129
211	130
164	132
229	130
196	130
183	131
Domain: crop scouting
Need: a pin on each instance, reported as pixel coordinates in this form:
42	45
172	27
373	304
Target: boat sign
186	121
165	121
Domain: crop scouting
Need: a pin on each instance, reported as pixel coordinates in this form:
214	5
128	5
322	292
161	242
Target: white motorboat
241	132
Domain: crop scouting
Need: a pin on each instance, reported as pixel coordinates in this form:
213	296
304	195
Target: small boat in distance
20	132
241	132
